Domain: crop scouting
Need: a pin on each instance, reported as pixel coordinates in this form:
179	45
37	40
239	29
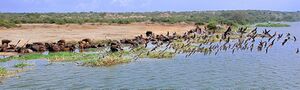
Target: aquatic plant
3	71
58	56
109	60
21	65
24	57
70	56
138	50
158	55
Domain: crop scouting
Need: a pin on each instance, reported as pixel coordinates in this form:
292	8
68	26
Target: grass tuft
22	65
3	71
158	55
109	60
272	25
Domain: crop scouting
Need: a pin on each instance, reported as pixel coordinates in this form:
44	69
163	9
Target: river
279	69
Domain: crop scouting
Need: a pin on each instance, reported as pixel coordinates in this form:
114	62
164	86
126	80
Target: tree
212	26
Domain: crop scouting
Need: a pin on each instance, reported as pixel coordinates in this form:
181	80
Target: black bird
273	41
295	39
272	36
242	30
285	40
297	50
255	30
288	34
216	52
251	47
227	32
279	36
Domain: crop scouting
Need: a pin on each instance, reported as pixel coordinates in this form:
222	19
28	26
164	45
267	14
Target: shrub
212	26
7	24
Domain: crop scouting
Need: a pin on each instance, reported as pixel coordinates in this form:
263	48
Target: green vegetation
59	56
212	26
158	55
272	25
6	24
228	17
21	65
3	71
92	59
109	60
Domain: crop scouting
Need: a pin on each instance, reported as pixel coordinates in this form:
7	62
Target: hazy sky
144	5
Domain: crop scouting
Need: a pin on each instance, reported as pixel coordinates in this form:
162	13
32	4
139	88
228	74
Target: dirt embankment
52	33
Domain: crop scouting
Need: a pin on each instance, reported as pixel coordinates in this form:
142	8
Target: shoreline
75	32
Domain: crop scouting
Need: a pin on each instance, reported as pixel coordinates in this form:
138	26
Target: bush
212	26
199	23
60	22
7	24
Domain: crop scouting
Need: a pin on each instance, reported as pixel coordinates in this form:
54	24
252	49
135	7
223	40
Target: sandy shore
52	33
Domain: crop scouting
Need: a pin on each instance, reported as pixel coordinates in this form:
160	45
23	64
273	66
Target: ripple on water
279	69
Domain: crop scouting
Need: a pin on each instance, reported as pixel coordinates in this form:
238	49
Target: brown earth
71	32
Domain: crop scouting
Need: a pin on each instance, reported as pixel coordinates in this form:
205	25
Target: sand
71	32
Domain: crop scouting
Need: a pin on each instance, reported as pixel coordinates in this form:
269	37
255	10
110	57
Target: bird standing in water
297	50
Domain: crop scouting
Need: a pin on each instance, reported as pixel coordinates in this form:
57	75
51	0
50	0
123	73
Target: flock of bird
192	41
229	40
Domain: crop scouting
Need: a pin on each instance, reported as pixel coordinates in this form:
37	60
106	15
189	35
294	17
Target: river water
277	70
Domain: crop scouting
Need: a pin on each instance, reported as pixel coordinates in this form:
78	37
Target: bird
295	39
279	36
297	50
288	34
285	40
251	47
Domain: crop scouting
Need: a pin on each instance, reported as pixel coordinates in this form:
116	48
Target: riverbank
272	25
75	32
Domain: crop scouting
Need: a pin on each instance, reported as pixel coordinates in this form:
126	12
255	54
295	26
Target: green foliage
7	24
21	65
230	17
212	26
109	60
199	23
158	55
59	56
3	71
272	25
229	22
60	22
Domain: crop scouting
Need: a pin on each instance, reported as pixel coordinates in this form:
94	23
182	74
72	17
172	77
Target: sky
145	5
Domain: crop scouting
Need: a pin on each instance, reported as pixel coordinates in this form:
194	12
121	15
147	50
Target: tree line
228	17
